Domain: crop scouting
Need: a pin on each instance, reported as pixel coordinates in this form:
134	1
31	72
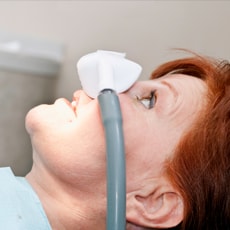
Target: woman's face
68	138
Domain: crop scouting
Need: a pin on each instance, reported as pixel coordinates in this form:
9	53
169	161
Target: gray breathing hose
103	74
116	173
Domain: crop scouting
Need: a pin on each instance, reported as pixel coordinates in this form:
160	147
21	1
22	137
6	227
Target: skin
69	169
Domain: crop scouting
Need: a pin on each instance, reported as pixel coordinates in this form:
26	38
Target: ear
155	207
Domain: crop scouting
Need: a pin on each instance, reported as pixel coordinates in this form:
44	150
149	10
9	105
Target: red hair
200	167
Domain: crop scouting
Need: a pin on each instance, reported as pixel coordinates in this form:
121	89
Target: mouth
72	105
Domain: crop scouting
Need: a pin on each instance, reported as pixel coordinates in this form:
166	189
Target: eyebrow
171	87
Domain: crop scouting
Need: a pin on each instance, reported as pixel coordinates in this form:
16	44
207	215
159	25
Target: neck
67	207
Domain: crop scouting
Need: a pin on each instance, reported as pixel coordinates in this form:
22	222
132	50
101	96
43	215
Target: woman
176	129
200	167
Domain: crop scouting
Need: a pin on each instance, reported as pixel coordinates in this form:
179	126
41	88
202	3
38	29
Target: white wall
145	30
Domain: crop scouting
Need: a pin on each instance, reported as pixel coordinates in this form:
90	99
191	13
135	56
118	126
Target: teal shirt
20	207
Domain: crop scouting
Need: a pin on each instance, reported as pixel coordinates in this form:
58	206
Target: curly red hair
200	167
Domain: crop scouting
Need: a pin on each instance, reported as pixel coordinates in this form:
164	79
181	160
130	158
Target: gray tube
116	172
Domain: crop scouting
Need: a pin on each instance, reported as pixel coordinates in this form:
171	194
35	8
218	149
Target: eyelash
150	101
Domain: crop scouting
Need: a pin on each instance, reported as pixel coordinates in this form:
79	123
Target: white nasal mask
106	70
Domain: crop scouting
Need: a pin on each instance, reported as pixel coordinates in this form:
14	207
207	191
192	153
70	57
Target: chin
34	118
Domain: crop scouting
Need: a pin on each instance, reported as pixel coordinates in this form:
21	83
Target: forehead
177	81
180	78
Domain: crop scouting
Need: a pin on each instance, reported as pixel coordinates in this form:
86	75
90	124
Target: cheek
88	125
69	148
66	145
135	125
147	144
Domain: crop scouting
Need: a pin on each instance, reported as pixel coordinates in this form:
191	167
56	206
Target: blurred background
58	33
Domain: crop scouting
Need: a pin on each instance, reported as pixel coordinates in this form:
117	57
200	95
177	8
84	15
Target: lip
72	105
